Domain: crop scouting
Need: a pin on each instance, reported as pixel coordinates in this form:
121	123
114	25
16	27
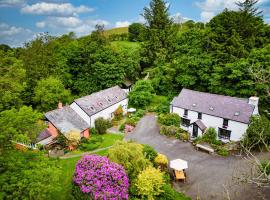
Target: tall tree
49	92
160	33
249	7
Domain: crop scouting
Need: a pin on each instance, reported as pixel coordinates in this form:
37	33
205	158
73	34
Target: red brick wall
86	133
52	130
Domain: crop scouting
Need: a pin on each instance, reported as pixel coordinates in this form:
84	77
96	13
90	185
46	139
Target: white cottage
100	104
230	116
82	113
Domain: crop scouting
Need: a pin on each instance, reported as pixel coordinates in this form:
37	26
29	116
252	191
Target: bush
264	167
140	113
91	144
130	155
170	119
149	152
122	127
101	125
170	194
100	178
222	151
210	135
184	136
149	183
93	131
118	113
132	121
141	94
169	130
259	128
161	161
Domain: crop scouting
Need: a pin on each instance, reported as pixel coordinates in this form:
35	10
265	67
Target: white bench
208	149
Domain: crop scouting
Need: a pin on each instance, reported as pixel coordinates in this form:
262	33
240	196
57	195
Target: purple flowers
101	178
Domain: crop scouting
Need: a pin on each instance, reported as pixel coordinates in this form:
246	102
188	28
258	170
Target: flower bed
99	178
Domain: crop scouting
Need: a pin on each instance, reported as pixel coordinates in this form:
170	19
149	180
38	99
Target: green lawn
121	45
108	140
68	167
112	31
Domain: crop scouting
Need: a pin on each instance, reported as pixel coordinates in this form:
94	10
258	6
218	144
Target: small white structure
230	116
100	104
178	164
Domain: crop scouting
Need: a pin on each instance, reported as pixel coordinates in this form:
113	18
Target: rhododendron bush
100	178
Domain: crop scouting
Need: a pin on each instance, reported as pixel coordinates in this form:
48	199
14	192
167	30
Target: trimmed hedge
170	119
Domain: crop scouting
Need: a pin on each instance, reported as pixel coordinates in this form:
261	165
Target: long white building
230	116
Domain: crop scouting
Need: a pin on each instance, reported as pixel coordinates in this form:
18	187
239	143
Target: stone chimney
60	105
255	102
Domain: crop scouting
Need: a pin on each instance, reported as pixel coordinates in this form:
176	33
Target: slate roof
227	107
66	119
98	101
43	135
200	124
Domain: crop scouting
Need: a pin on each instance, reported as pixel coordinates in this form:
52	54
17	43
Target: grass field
120	45
116	31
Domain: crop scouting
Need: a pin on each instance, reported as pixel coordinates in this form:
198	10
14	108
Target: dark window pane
185	122
225	122
199	115
186	112
224	134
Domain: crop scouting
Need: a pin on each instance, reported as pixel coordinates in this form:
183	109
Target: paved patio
208	176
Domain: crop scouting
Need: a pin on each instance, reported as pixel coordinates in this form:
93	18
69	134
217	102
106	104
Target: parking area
208	176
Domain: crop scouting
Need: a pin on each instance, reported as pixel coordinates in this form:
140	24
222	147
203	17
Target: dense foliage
170	119
149	152
101	125
257	134
149	183
25	175
130	155
19	125
99	178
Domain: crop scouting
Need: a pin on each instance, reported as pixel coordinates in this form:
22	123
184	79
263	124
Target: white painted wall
46	141
80	112
107	113
237	128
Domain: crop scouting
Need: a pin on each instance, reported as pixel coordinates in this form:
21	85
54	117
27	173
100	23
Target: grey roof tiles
98	101
233	108
66	119
43	135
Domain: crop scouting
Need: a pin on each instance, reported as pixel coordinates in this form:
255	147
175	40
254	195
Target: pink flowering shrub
128	128
99	178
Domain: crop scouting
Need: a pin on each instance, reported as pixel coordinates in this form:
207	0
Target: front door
195	130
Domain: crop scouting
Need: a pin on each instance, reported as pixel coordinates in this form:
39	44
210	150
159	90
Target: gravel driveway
208	176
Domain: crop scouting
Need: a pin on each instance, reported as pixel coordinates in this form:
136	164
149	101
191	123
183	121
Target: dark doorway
195	130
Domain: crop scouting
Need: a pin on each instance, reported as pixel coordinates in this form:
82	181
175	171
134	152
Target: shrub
130	155
257	133
102	125
122	127
100	178
170	119
91	144
210	135
184	136
140	113
93	131
141	94
169	130
132	121
149	152
264	167
118	113
170	194
149	183
73	138
161	161
222	151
